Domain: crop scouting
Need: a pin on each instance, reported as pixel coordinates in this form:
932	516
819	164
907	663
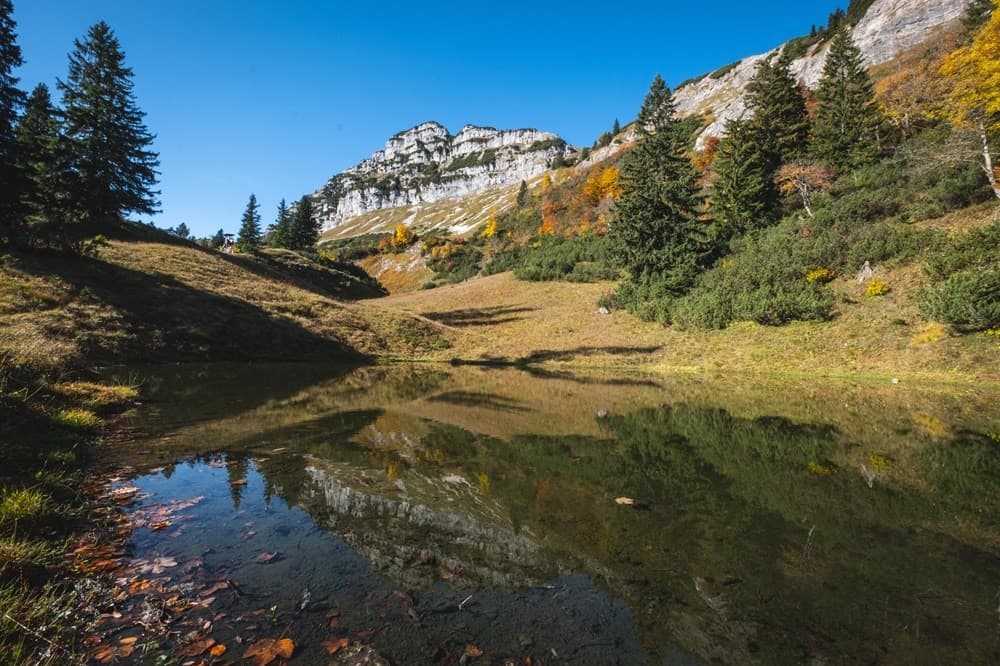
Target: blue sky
276	97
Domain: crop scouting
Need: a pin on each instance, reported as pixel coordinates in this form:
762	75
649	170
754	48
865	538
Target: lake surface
474	515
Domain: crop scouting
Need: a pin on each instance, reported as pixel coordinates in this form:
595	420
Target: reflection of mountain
416	541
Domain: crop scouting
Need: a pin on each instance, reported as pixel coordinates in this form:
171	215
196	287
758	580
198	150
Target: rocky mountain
427	178
887	29
427	164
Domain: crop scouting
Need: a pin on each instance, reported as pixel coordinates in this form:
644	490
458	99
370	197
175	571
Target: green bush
965	280
969	300
581	259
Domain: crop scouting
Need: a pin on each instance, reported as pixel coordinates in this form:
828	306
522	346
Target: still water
456	515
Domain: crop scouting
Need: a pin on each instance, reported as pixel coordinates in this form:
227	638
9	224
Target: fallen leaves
625	501
473	651
266	650
105	654
267	558
195	648
155	566
333	646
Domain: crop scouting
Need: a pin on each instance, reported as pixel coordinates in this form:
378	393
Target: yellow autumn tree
601	185
546	182
402	237
490	228
974	72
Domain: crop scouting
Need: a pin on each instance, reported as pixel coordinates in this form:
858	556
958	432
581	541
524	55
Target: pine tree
976	15
616	128
305	229
656	233
219	239
114	169
281	234
523	195
11	100
657	109
44	162
780	119
846	133
248	239
744	195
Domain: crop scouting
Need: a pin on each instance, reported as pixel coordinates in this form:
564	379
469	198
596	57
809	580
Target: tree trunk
988	159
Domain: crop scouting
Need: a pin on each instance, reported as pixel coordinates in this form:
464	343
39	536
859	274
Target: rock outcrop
887	29
427	164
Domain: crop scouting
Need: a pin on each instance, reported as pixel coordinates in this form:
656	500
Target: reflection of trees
236	472
736	548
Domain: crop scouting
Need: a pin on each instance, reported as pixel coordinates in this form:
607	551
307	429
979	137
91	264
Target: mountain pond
436	514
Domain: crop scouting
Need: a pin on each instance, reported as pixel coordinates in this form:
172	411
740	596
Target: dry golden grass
154	301
500	318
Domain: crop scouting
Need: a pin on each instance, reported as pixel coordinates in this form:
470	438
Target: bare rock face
887	29
426	164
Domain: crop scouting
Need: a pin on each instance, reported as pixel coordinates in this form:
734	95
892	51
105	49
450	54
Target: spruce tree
848	122
248	239
780	119
11	100
656	234
616	128
44	162
744	195
975	17
219	239
114	170
305	229
523	195
281	233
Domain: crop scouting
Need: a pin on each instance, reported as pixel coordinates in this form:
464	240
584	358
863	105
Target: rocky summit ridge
427	163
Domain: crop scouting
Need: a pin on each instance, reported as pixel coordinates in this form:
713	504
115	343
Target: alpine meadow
718	385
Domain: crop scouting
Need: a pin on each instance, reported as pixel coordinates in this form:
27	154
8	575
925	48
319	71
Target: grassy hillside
149	297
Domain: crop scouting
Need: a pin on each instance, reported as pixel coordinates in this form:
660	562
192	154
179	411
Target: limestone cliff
887	29
427	164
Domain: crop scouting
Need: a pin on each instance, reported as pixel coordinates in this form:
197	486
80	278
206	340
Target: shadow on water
760	539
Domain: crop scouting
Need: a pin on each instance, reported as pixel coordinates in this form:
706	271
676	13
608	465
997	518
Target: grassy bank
139	296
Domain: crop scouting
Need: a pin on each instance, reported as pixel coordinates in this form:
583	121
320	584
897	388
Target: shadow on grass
478	316
158	318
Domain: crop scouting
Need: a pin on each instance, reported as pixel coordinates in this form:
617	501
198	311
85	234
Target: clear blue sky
276	97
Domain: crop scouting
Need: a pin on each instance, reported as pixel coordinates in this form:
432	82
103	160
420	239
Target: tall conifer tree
744	195
281	233
248	238
11	100
114	169
45	163
848	123
780	119
656	233
305	229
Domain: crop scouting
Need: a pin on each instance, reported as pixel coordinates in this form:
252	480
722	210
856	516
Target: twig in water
464	601
36	634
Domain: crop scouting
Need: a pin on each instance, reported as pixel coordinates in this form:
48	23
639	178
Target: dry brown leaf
196	648
207	592
473	651
267	558
162	525
238	482
266	650
333	646
129	640
217	650
627	501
